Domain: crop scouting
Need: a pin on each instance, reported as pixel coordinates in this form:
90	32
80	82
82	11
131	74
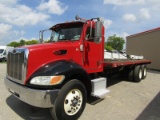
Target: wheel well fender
84	78
69	69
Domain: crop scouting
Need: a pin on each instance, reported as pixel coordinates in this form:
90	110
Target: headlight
47	80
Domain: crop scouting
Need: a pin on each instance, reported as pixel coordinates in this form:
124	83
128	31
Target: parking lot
126	101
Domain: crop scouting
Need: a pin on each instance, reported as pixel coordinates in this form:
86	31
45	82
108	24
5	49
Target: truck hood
48	46
41	54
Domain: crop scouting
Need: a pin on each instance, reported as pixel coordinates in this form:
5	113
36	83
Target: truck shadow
115	80
151	112
26	111
153	71
110	82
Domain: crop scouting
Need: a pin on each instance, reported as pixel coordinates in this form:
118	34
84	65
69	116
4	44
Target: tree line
22	42
113	43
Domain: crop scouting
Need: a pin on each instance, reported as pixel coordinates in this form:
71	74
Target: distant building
147	44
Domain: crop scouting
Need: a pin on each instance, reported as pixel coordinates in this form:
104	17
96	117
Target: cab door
93	57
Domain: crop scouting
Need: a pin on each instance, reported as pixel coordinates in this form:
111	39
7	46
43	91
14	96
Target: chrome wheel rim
140	74
73	102
145	72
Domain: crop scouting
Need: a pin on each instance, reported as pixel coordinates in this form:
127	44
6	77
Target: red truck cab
59	74
69	42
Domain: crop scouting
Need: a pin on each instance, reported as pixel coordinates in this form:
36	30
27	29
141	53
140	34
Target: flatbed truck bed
127	62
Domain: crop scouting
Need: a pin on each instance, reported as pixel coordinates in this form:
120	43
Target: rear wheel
130	74
144	71
71	101
137	76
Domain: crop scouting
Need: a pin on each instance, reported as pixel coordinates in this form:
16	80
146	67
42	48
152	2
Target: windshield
1	50
70	32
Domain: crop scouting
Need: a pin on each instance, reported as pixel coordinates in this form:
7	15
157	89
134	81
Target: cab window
90	34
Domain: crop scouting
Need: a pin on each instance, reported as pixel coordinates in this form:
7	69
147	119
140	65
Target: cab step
99	87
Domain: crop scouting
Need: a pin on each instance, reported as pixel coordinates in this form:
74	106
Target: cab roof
67	23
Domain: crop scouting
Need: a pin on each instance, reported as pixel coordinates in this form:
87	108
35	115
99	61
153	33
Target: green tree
22	42
14	44
47	41
115	42
31	42
108	48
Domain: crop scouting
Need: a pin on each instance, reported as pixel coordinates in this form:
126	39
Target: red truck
63	73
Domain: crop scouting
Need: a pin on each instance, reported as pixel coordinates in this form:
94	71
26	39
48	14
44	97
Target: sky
23	19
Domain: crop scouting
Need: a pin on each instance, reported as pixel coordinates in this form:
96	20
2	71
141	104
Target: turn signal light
56	79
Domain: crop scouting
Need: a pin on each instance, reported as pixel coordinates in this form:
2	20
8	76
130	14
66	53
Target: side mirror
98	32
41	36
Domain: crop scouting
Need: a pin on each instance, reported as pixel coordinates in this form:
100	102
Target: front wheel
70	102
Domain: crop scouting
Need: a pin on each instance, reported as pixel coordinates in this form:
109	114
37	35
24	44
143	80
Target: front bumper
34	97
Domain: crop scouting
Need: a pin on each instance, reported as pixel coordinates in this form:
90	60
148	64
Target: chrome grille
17	64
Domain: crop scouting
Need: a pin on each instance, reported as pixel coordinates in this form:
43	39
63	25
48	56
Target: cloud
8	2
4	32
141	16
11	12
5	28
7	33
18	33
20	15
107	23
53	6
129	18
145	13
124	2
124	35
14	16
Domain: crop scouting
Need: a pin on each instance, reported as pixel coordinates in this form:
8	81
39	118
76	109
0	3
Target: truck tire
144	71
137	76
70	102
130	74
